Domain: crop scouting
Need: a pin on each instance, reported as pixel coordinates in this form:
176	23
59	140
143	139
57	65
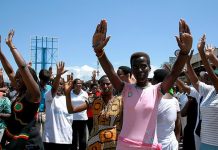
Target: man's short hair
44	75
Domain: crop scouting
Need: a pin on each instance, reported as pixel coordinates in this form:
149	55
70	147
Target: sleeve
7	108
193	93
204	89
86	95
125	89
159	91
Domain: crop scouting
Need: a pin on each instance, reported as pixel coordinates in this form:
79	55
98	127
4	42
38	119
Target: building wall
196	59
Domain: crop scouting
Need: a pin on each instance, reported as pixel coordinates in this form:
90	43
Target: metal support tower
98	72
44	52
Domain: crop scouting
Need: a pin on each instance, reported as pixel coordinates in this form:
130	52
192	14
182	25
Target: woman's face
140	69
19	82
106	86
61	87
78	85
94	89
122	75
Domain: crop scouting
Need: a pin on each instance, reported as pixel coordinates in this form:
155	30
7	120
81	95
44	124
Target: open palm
99	40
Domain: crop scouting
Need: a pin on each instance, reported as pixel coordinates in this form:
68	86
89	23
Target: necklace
142	88
105	108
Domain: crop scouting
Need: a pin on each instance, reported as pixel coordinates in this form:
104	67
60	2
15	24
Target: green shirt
5	108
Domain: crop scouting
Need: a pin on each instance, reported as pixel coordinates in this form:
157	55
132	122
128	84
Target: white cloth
78	100
209	111
182	101
58	124
167	115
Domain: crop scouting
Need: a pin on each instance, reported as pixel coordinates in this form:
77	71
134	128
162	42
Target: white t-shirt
209	113
58	124
167	115
78	100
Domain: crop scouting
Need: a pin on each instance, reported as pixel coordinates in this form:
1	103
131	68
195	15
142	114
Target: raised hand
9	39
201	44
99	40
60	68
68	85
29	64
209	50
184	39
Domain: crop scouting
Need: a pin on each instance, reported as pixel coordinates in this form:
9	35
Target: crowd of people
123	110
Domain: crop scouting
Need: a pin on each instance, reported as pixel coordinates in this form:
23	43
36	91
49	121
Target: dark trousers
188	139
90	124
52	146
80	134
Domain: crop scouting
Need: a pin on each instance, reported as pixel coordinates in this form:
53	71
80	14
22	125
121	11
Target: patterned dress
107	123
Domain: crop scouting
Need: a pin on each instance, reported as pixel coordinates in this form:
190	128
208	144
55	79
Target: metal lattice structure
98	72
44	52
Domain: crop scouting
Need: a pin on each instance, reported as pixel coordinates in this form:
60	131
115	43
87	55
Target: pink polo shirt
139	118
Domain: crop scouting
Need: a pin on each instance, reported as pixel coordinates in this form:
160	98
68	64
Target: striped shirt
209	111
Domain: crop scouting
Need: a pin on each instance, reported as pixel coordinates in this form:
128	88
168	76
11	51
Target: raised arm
178	126
209	52
207	66
184	41
70	108
7	67
190	73
33	92
181	85
99	41
60	71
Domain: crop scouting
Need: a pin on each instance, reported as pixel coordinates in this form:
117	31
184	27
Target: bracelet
101	55
99	52
183	54
23	66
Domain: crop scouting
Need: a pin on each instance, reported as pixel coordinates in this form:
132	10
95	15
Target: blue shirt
43	94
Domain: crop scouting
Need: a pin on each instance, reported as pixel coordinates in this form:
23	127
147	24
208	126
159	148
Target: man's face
43	83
